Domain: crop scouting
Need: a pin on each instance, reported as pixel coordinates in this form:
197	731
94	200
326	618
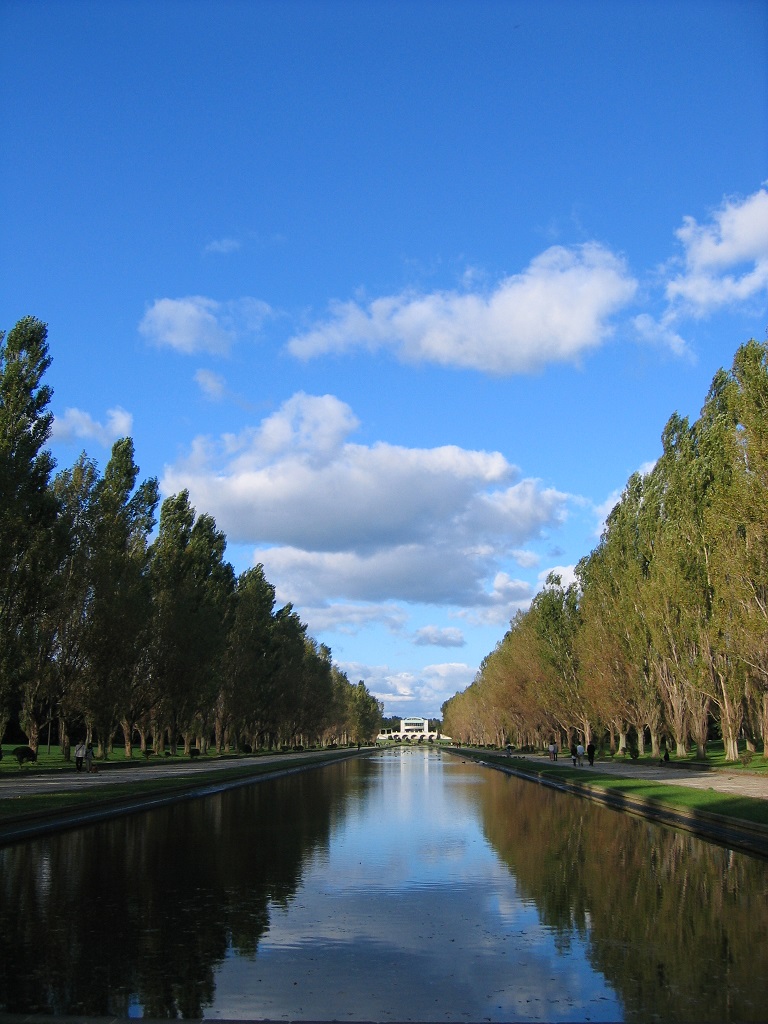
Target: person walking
591	754
574	753
580	755
79	755
89	758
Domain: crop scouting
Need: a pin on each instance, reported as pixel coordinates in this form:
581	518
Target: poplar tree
118	616
29	539
191	589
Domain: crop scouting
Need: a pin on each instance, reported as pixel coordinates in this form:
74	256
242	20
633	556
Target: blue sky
402	292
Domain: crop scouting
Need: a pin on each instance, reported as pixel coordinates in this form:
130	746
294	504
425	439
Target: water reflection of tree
677	926
145	908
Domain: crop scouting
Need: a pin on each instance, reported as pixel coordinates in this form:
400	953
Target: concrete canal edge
31	826
731	832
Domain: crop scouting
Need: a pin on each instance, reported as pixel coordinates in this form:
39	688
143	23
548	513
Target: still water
408	885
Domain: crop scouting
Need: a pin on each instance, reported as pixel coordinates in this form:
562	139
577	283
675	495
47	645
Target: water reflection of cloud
416	923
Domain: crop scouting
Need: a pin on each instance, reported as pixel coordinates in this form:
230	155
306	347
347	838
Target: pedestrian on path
580	754
574	753
79	755
591	754
89	758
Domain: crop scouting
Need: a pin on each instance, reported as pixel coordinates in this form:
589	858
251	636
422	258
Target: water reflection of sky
410	915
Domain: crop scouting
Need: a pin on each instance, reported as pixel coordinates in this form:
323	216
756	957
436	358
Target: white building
411	729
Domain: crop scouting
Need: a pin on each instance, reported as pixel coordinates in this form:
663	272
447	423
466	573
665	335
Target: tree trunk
32	729
64	742
127	737
158	739
730	721
700	728
655	744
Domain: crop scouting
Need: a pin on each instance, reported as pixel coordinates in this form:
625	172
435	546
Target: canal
406	886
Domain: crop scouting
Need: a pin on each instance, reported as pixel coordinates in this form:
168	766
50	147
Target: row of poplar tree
664	635
112	623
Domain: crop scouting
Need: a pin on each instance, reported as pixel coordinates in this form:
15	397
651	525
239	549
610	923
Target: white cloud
726	260
435	636
223	246
78	424
567	574
211	384
526	559
557	309
417	573
199	324
350	618
660	332
334	520
420	692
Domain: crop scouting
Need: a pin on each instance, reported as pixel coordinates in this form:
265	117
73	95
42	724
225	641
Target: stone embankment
173	783
721	828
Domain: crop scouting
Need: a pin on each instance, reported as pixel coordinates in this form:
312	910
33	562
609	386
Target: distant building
411	729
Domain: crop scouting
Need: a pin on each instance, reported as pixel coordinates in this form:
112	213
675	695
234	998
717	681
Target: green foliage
665	633
100	630
30	542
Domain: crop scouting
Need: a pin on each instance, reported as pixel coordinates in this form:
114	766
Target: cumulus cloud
567	574
332	519
725	260
435	636
660	332
348	617
76	424
198	324
421	692
526	559
559	307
